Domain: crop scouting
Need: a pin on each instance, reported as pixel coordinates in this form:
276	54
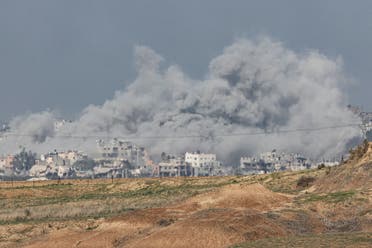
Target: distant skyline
65	55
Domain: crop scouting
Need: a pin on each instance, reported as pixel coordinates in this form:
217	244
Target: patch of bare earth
226	216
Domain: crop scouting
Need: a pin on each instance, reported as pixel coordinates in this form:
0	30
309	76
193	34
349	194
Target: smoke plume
254	86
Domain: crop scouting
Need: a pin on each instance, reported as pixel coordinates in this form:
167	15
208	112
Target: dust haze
254	86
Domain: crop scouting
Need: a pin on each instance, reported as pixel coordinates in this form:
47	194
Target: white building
203	164
39	170
72	156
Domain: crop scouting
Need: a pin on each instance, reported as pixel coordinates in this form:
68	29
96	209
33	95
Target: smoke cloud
254	86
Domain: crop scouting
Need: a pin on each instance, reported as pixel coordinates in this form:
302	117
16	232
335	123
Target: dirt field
295	209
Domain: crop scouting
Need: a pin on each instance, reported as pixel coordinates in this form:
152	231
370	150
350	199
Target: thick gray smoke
254	86
32	129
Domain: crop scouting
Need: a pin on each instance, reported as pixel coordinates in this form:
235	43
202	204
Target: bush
165	222
305	181
321	166
23	160
359	151
27	213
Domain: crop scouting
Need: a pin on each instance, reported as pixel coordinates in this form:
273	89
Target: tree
23	161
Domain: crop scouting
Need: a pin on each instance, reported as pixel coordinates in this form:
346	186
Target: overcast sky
67	54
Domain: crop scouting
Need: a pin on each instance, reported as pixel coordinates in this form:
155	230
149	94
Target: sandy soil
226	216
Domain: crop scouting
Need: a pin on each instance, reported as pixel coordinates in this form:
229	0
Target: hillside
317	207
354	174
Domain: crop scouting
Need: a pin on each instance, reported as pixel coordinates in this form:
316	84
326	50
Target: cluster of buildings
274	161
122	159
56	165
115	159
130	160
189	164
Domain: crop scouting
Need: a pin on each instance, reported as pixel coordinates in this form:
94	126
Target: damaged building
272	162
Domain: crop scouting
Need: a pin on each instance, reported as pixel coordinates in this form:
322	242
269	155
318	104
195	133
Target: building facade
173	167
203	164
273	161
123	150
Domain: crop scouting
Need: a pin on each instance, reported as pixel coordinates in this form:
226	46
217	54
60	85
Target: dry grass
355	240
82	199
272	209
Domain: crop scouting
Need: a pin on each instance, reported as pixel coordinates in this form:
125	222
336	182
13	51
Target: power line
267	132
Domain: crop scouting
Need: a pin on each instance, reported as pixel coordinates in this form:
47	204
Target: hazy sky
67	54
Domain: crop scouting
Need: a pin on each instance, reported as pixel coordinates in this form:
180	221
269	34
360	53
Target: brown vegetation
356	173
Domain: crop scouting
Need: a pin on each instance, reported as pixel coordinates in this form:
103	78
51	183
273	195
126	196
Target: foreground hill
301	209
354	174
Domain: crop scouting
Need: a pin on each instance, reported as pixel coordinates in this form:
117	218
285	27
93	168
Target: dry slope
226	216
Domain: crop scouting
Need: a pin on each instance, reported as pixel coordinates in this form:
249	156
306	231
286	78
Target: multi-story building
174	166
56	164
123	150
72	156
203	164
273	161
54	159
